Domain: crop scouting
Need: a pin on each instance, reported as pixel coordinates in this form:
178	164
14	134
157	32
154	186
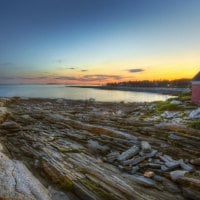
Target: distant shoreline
160	90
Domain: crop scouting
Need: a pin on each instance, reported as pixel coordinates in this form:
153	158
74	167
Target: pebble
149	174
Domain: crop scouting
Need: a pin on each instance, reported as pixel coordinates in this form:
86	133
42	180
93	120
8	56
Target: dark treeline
179	83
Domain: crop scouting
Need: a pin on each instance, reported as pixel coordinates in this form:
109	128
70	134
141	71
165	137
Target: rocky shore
160	90
57	149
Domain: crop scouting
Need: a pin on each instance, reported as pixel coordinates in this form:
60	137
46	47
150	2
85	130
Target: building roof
197	77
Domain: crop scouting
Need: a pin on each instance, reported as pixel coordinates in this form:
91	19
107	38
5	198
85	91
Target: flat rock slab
17	182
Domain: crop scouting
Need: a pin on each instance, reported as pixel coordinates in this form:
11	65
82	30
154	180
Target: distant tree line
178	83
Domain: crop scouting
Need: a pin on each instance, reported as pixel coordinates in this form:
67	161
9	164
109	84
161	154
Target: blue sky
81	38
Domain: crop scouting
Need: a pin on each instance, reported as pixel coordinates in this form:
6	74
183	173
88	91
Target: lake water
60	91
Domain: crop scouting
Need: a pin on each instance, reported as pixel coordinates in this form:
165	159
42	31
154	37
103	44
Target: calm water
60	91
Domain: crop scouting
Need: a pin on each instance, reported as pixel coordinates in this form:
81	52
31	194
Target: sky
98	41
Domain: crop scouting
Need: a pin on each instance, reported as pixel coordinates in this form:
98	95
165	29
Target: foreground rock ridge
57	149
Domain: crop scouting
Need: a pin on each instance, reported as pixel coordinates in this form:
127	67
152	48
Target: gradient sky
98	41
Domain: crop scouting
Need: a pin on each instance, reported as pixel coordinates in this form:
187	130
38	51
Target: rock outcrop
92	151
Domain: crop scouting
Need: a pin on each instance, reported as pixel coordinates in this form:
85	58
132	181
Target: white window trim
196	82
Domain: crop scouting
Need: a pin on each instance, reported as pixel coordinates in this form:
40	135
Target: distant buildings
196	89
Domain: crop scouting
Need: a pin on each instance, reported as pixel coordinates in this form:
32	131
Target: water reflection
60	91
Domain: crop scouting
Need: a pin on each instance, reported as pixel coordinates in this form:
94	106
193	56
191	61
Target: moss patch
54	175
195	124
98	190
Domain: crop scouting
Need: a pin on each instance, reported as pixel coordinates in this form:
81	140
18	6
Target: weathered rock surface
17	182
96	151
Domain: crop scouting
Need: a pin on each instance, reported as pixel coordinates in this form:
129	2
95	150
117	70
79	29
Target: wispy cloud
67	68
84	70
60	79
135	70
72	68
87	78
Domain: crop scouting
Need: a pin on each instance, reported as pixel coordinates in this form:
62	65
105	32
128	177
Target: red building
196	89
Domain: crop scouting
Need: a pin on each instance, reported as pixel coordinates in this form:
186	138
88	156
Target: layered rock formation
90	150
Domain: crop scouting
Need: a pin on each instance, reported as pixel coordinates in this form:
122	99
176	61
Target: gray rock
164	168
148	155
111	157
195	114
96	147
173	164
3	113
166	158
186	167
134	161
154	165
146	147
17	182
175	175
26	117
170	114
134	150
57	195
135	169
10	125
59	101
157	161
53	118
158	178
141	180
173	136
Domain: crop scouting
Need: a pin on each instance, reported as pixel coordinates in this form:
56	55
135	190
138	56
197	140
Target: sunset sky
98	41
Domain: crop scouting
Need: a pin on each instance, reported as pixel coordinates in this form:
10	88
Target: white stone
195	114
175	102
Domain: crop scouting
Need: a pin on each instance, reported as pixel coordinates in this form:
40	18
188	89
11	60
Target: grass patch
195	124
166	106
